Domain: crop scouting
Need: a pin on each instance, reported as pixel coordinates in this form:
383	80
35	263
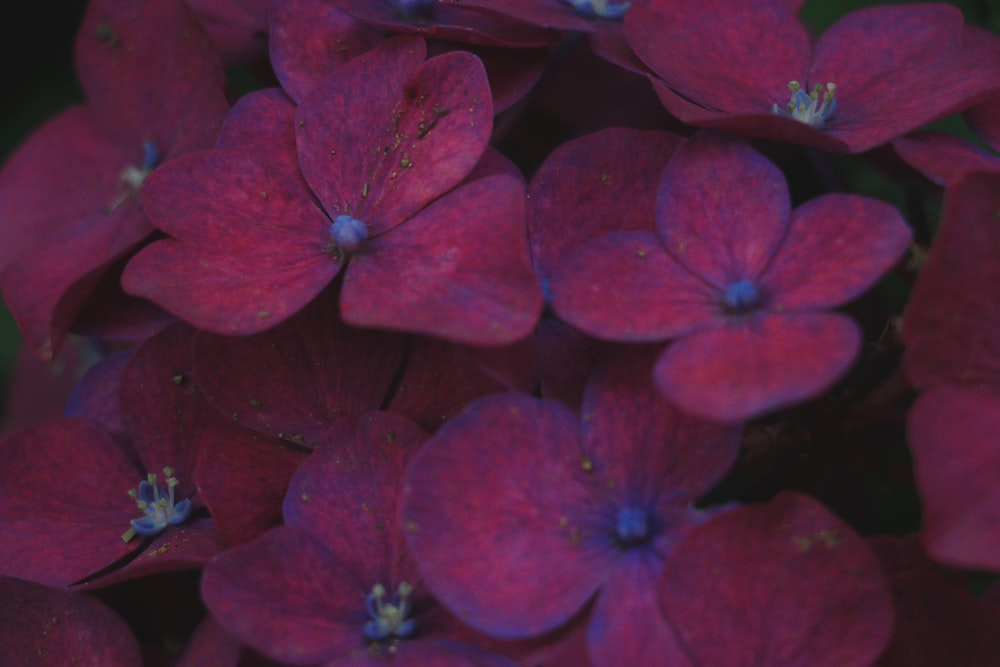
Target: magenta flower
64	537
42	626
69	205
336	585
738	279
749	68
783	584
388	205
950	328
542	512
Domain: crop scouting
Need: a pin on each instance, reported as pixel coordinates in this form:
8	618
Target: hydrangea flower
783	584
69	203
737	278
750	68
251	242
362	600
543	512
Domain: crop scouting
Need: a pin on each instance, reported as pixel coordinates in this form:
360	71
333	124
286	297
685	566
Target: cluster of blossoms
506	332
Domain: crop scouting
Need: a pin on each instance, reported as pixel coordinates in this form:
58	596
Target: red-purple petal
783	584
52	627
625	287
448	274
952	431
739	370
836	247
722	209
513	478
944	158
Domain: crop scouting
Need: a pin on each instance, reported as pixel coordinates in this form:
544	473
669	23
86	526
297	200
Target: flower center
633	526
602	9
389	618
157	505
132	177
348	233
807	107
416	9
741	296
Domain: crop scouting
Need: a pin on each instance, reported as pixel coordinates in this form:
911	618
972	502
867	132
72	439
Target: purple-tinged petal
984	119
733	58
627	626
601	183
346	494
836	247
52	627
743	369
446	273
309	40
951	322
143	83
640	443
64	502
210	646
251	246
924	65
553	14
513	481
308	372
97	397
242	477
111	315
257	591
434	653
439	380
625	287
512	73
37	390
163	406
386	164
237	28
186	547
449	23
952	431
566	359
722	209
944	158
263	120
783	584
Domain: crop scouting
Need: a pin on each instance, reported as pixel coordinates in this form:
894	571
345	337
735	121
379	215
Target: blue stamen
633	525
416	9
158	506
806	107
602	9
150	156
741	296
348	233
389	618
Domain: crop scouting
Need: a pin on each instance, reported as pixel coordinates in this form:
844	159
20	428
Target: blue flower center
416	9
159	507
632	526
602	9
348	233
741	296
389	618
813	108
132	177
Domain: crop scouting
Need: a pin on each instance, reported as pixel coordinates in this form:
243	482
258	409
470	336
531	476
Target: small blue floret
601	9
150	156
813	108
741	296
348	233
416	9
389	619
158	506
633	524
